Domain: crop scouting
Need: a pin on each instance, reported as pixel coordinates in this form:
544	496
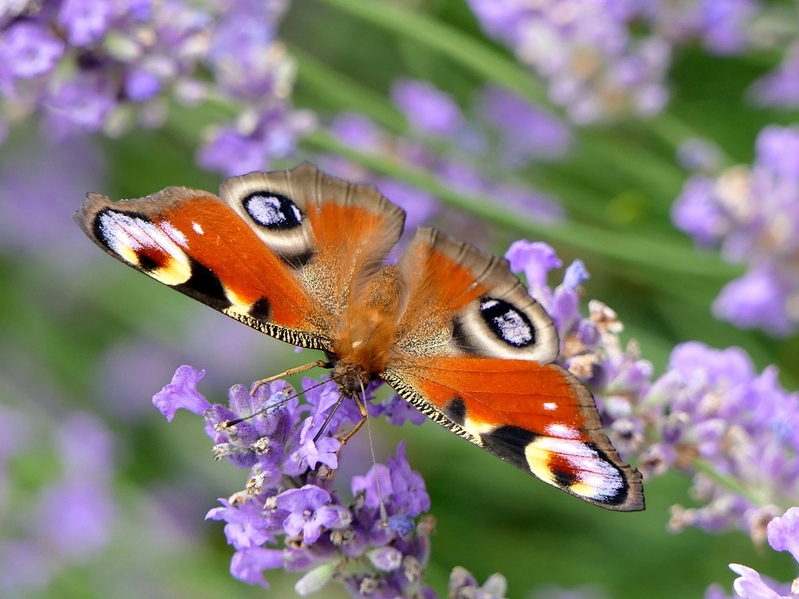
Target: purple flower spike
309	512
182	393
575	274
288	499
752	214
408	489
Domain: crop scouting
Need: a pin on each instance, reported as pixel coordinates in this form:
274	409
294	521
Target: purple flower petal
575	274
783	532
750	585
233	153
182	393
248	565
758	299
248	524
535	259
309	513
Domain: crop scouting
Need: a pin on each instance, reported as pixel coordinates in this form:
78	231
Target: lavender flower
594	67
780	87
604	59
119	62
289	494
752	213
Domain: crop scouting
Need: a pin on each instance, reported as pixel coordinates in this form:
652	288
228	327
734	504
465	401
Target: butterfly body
302	256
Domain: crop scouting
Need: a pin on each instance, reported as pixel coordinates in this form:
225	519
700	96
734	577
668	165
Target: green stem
472	54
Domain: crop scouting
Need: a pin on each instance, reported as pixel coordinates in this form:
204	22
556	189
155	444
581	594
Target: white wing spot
562	431
266	210
197	228
174	234
550	405
513	328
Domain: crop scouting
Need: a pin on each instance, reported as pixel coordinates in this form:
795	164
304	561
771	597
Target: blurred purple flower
39	187
592	63
780	87
711	404
28	50
85	21
428	109
358	131
121	61
757	300
527	132
73	515
700	155
753	215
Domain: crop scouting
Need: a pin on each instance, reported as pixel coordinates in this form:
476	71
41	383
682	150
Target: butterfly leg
290	371
359	424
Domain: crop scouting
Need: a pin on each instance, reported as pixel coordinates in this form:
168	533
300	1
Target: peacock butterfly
301	256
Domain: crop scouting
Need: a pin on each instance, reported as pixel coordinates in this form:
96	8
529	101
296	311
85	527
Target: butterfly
302	256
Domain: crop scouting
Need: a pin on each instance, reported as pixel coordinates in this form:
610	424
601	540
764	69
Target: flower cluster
783	535
606	58
752	213
104	65
714	412
513	132
375	545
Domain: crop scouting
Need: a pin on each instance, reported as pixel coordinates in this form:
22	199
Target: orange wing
474	355
278	251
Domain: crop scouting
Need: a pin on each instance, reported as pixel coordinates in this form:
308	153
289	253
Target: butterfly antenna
383	513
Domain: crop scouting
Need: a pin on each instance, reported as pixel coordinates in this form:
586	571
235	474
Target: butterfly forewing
193	242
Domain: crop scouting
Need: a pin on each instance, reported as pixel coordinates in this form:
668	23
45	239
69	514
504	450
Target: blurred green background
79	332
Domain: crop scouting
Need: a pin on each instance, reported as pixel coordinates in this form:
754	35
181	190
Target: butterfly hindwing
334	233
479	365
